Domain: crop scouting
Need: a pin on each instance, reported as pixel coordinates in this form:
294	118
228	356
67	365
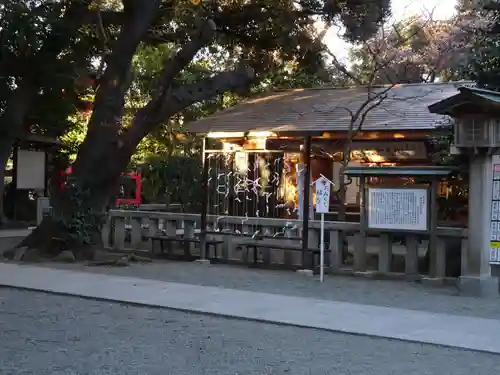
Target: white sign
495	212
322	207
398	209
30	170
322	195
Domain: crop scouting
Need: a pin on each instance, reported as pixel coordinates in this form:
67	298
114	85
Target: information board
398	209
495	212
322	195
30	170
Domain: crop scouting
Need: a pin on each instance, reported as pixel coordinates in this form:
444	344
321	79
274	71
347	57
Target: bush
177	179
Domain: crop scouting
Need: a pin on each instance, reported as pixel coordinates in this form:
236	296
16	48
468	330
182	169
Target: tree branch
185	55
112	18
159	110
104	39
208	88
342	68
106	120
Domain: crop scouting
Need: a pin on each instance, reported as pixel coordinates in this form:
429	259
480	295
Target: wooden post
204	203
411	260
13	186
306	202
360	246
433	239
341	216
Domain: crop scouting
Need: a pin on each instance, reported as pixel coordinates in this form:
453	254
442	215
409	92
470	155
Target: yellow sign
495	244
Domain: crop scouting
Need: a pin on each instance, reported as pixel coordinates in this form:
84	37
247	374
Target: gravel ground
357	290
49	334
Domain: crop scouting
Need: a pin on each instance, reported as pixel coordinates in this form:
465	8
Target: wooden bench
256	243
169	240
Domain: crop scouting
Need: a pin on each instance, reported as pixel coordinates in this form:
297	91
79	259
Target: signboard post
495	212
323	186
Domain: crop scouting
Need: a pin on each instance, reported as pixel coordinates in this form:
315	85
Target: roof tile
327	109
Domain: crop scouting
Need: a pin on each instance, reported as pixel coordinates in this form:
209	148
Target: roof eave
357	171
444	106
480	96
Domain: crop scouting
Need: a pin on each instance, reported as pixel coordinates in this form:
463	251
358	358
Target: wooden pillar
204	202
360	245
306	201
13	187
436	265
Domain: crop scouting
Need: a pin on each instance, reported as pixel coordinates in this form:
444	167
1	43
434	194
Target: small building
257	151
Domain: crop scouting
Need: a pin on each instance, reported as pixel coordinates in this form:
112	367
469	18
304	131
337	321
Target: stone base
486	286
306	272
367	274
432	281
204	262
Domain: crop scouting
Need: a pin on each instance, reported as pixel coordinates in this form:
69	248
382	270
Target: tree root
123	261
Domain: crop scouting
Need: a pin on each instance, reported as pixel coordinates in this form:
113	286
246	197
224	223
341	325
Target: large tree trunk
107	148
104	154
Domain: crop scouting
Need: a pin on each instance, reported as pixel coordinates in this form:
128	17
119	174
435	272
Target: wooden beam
204	203
306	202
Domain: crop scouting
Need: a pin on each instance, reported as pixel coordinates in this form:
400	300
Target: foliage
75	134
480	22
166	140
42	61
414	50
185	57
453	206
78	221
177	179
26	28
169	139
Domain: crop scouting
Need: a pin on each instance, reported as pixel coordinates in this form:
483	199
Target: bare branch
342	68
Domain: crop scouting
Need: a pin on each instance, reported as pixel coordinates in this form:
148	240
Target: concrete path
8	233
407	325
359	290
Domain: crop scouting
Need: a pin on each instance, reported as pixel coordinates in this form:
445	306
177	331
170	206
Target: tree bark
107	148
160	109
103	155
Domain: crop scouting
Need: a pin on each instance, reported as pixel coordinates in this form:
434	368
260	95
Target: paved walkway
408	325
360	290
17	233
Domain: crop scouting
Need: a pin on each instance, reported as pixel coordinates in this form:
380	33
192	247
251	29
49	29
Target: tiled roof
327	109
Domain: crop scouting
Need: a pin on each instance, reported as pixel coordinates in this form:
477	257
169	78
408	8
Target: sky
441	9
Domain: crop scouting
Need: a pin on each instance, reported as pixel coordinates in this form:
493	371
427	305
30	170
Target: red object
134	200
137	183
